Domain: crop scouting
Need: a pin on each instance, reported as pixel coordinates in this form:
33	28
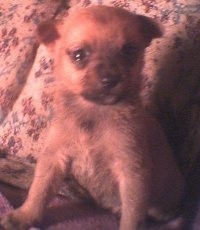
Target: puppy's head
98	51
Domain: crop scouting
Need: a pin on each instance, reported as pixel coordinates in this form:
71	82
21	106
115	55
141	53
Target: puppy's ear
149	28
47	34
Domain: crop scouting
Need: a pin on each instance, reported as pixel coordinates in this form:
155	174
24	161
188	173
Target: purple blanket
62	215
4	204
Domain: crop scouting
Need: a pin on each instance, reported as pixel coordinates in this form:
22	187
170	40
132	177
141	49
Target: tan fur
101	134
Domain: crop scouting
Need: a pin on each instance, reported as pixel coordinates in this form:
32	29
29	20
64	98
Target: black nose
110	81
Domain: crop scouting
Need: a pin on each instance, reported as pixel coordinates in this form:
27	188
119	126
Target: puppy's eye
79	57
129	53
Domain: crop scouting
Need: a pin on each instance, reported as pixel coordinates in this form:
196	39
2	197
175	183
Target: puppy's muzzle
107	86
109	90
110	81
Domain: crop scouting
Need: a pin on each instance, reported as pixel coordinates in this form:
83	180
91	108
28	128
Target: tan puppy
101	135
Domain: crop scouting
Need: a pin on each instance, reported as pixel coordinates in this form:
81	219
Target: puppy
101	135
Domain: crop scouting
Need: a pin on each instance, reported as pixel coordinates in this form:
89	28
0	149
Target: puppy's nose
110	81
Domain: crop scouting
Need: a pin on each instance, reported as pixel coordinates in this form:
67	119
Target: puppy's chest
86	140
90	136
90	153
91	141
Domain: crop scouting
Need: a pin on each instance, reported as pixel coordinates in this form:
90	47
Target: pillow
18	87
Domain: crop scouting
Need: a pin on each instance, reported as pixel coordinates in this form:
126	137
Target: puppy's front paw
15	220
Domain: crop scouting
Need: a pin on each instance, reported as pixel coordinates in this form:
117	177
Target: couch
170	90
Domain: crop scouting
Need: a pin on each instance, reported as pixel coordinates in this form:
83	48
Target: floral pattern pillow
21	116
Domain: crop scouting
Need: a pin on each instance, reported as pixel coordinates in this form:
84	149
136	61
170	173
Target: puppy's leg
47	180
133	201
